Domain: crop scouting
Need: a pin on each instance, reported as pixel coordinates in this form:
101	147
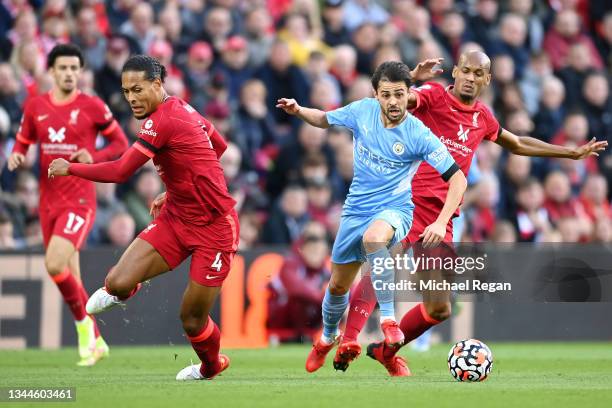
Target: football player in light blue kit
388	146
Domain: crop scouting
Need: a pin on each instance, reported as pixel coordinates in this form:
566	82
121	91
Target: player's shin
415	322
206	344
363	301
382	276
70	289
333	309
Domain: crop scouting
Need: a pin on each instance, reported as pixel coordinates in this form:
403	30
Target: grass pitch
524	375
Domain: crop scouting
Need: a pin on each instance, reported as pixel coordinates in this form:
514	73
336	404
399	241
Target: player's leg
215	246
202	332
139	263
156	250
347	258
101	349
376	239
334	305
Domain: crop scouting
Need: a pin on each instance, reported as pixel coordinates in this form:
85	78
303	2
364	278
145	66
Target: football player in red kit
461	122
195	217
65	123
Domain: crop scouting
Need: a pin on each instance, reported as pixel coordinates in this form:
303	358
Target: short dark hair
152	68
392	71
64	50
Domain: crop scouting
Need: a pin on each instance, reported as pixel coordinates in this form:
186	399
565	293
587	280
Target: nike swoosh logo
210	276
40	118
453	110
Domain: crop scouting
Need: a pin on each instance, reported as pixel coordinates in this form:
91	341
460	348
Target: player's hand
424	70
288	105
15	160
590	149
157	205
433	234
81	156
58	167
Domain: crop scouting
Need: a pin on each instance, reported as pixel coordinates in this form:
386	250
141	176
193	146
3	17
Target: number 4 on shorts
217	264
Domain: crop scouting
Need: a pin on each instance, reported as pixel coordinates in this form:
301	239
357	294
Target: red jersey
61	129
177	138
460	128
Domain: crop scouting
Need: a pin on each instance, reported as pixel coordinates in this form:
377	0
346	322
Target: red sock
71	291
362	303
414	323
206	345
84	299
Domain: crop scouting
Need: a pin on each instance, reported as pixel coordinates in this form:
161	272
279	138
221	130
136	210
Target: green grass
524	375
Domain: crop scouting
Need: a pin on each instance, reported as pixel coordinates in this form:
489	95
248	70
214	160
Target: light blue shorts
348	246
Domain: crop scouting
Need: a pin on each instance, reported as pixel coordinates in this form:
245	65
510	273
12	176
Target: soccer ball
470	360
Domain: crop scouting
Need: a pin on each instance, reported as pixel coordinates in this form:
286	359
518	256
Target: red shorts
72	224
212	247
425	213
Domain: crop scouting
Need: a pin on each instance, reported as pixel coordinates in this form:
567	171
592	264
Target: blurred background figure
294	305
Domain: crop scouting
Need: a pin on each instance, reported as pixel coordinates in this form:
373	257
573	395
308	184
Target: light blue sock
333	309
381	275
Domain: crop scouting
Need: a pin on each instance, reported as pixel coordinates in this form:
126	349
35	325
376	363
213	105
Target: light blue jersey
385	160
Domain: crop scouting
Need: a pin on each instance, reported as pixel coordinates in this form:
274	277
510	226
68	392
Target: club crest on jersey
463	134
57	136
147	129
74	114
398	148
475	119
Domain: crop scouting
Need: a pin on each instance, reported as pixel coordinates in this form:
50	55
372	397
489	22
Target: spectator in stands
560	203
366	39
594	198
109	76
551	112
531	217
139	28
598	105
573	75
512	36
121	229
282	77
234	64
294	306
107	205
344	66
89	38
138	202
258	32
255	128
335	32
288	218
563	34
358	12
217	28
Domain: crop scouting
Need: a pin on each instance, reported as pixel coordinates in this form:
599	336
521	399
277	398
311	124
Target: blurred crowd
232	59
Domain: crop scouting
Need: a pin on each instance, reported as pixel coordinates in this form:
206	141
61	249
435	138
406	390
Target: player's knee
192	324
374	237
55	265
338	289
439	311
117	285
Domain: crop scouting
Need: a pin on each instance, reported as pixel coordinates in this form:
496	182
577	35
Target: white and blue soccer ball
470	360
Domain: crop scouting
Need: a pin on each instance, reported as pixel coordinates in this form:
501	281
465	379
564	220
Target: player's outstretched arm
314	117
117	171
434	233
530	146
